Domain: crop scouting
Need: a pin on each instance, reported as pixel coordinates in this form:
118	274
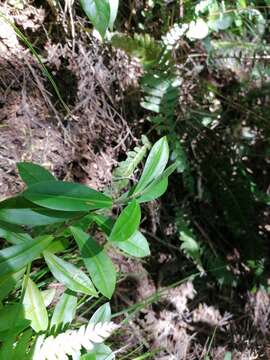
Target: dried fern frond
71	342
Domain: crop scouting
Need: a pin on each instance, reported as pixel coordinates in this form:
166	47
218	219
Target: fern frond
161	93
146	49
174	35
237	55
71	342
190	244
125	169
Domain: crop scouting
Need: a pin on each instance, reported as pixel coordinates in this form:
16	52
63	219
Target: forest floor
171	312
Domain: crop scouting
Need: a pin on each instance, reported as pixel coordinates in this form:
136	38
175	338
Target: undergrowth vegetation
216	128
55	212
201	96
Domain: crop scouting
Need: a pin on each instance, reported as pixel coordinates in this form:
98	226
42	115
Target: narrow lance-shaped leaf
65	196
20	211
98	11
114	4
154	191
97	262
13	234
158	186
33	173
14	258
155	164
64	311
69	275
34	307
127	223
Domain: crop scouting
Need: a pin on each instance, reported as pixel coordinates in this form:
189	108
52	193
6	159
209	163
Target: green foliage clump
48	220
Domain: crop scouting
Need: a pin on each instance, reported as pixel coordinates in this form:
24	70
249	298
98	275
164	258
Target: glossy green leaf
8	282
66	196
136	245
32	218
69	275
114	4
20	351
34	307
12	320
154	191
103	314
157	185
19	211
13	234
7	347
64	311
14	258
155	164
33	173
127	223
97	262
98	11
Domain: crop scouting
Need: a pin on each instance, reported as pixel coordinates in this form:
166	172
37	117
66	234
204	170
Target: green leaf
58	245
8	282
34	217
127	223
64	311
14	258
12	321
97	262
66	196
154	188
136	245
13	234
103	314
7	347
197	29
114	4
34	307
19	211
22	346
104	223
33	173
101	352
154	191
89	356
69	275
155	164
98	11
